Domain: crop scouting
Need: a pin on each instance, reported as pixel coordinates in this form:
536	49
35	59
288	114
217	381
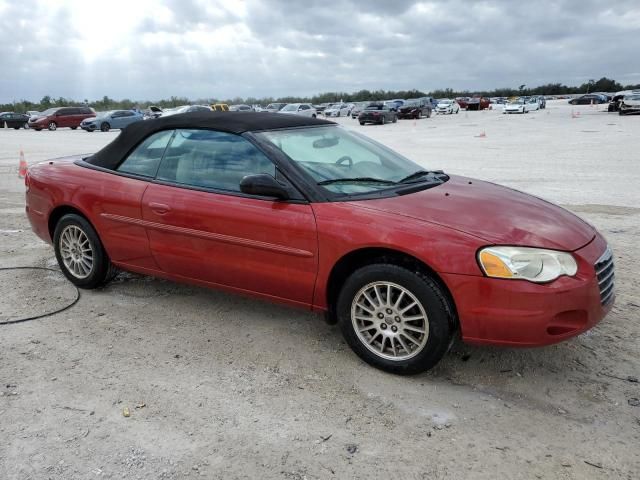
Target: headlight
533	264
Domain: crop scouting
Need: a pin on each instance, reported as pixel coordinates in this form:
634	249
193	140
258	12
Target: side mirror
263	185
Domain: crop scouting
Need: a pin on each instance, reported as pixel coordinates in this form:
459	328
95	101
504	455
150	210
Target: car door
200	225
128	118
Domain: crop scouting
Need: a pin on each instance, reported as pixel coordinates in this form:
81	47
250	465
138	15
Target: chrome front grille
606	276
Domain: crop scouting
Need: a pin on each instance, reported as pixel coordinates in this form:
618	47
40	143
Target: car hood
496	214
89	119
444	105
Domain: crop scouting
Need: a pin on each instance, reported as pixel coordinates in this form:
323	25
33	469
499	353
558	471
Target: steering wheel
344	159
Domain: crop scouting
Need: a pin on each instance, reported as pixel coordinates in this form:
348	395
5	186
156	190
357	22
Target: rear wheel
80	253
73	128
105	127
383	120
395	319
361	123
53	126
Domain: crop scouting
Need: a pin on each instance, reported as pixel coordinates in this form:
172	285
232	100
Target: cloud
148	49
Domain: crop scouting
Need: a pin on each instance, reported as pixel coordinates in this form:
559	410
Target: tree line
603	85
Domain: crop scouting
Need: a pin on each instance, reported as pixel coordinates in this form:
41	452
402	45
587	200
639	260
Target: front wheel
53	126
395	319
361	123
80	253
105	127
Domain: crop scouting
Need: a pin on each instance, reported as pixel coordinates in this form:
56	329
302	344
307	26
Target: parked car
32	113
104	121
338	110
588	99
394	105
446	105
275	107
377	113
303	109
518	105
630	105
533	103
307	213
185	109
462	101
59	117
415	108
357	108
152	112
14	120
477	103
240	108
616	100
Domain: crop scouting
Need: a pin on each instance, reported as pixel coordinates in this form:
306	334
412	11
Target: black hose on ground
36	317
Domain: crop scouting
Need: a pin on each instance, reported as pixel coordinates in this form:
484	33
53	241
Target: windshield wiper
415	176
357	180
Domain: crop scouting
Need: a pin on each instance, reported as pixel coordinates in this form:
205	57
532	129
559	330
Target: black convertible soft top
231	122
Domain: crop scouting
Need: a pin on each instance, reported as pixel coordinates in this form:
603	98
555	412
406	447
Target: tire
398	354
73	231
105	127
53	126
74	128
313	115
16	128
361	123
428	113
383	120
38	129
395	119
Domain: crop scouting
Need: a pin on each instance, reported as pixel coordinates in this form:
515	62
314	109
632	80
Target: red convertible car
302	211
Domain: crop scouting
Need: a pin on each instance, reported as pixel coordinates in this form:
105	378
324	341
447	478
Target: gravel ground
220	386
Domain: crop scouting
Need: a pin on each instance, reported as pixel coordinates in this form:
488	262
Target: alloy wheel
76	251
389	321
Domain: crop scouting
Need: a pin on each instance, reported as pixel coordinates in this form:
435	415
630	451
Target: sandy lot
221	387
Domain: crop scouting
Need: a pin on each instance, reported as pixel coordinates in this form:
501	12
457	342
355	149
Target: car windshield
292	107
375	107
445	102
49	111
103	114
341	161
517	101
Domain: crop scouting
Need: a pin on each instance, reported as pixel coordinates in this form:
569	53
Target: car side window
210	159
144	160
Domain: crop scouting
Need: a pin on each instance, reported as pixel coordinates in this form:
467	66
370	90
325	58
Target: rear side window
144	160
210	159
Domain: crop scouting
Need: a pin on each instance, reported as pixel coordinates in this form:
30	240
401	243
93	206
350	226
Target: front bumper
90	127
525	314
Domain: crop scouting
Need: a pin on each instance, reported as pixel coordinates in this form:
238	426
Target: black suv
416	108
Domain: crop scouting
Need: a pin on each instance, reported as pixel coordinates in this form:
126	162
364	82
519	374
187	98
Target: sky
153	49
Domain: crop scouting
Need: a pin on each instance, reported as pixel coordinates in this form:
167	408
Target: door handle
159	208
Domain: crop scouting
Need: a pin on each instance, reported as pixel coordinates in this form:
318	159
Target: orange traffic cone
22	169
